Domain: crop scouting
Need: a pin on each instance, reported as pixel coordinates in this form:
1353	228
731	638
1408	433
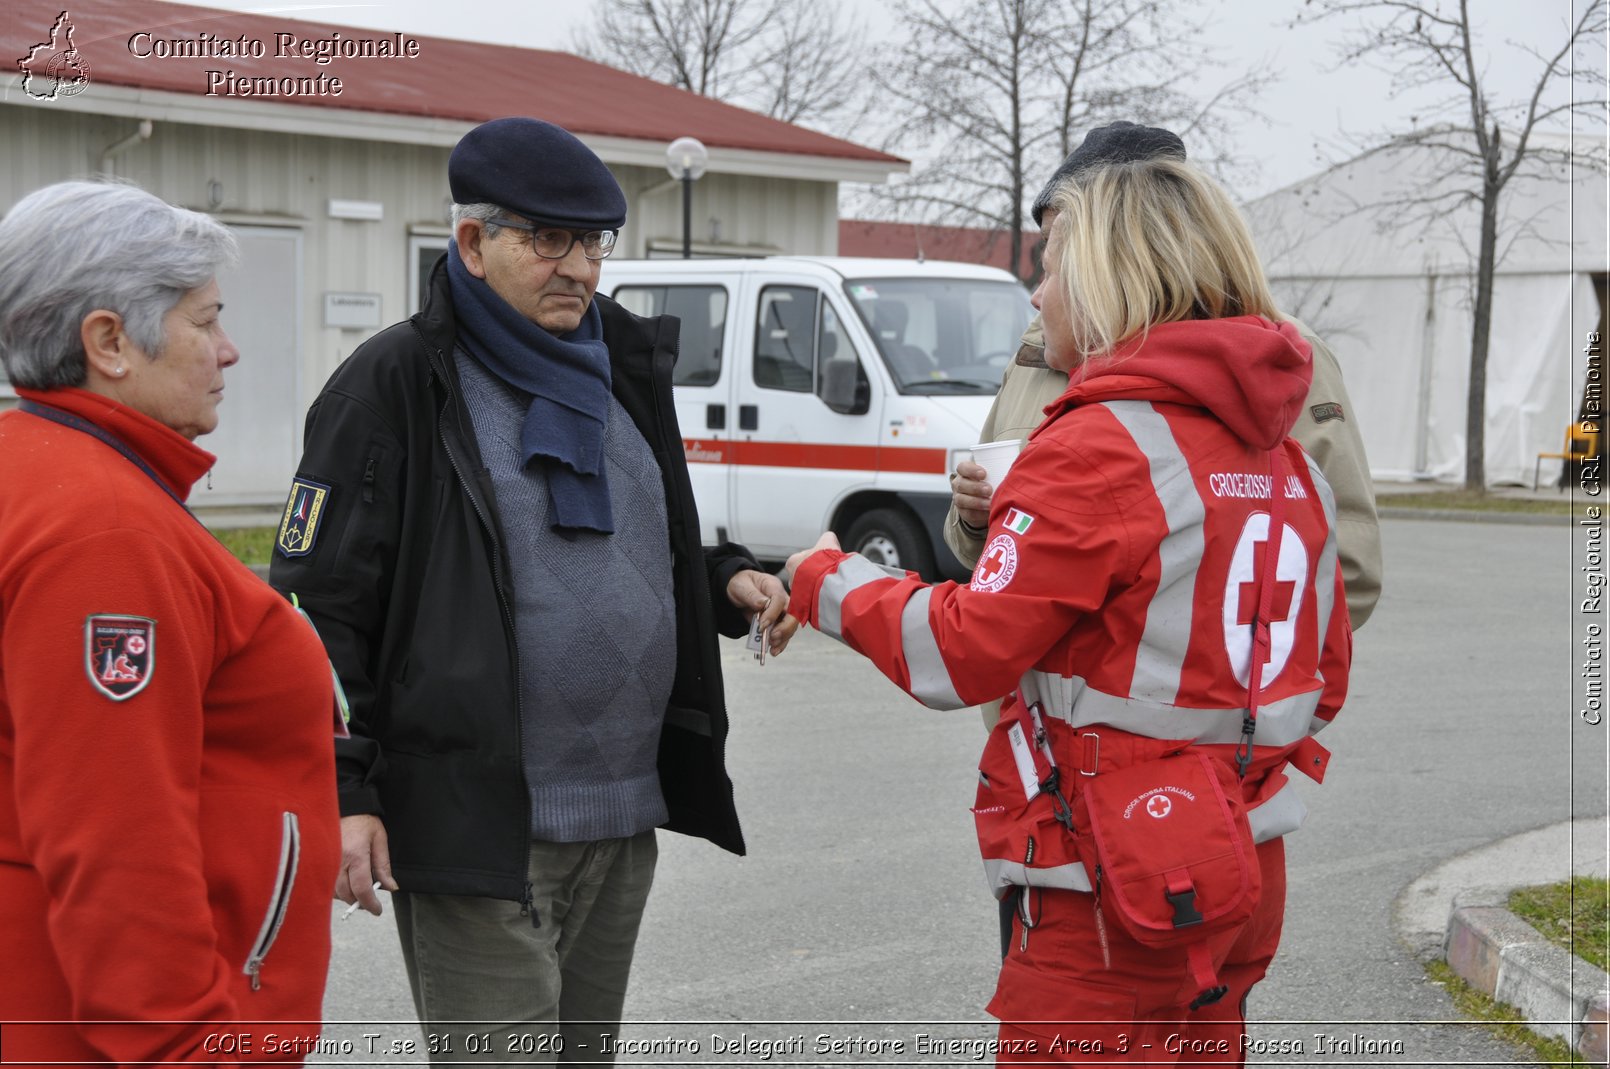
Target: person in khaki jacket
1325	429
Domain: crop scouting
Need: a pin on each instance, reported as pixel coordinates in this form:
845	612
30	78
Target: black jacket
406	580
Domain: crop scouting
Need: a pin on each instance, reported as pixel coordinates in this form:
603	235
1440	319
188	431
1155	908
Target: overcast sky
1313	110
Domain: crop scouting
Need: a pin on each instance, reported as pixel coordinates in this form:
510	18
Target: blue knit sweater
595	624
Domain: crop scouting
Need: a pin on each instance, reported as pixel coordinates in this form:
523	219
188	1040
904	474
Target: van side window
841	382
830	342
703	311
785	338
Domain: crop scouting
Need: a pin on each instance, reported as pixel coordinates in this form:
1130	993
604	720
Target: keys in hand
759	639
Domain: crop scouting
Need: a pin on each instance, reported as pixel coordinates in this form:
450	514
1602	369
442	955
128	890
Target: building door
258	439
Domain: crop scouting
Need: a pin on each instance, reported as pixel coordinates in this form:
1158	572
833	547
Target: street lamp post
686	159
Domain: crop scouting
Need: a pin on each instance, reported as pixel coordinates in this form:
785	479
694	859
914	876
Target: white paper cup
996	459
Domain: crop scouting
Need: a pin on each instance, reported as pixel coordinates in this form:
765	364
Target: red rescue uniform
1115	593
168	826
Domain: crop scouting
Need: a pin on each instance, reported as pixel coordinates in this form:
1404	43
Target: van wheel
894	538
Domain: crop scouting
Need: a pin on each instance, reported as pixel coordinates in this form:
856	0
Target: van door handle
715	417
749	417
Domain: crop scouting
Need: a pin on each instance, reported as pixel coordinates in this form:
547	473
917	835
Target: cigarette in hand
350	910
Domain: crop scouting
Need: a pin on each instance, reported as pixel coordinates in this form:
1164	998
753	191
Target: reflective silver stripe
853	572
930	679
1280	723
1325	571
1002	873
1160	658
1282	813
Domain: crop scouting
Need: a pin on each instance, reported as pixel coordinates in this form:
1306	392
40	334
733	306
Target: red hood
1251	374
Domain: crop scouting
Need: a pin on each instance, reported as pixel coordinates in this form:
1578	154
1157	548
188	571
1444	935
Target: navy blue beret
539	170
1119	142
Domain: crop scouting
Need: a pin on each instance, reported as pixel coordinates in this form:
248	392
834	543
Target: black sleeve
341	568
721	564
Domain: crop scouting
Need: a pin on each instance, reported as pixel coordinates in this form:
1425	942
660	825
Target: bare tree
971	81
794	60
994	95
810	66
1123	59
1485	145
691	44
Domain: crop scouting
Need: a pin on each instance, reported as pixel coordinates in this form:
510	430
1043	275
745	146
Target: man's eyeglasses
554	243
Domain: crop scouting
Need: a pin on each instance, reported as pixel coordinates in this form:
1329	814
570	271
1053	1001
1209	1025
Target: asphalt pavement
858	931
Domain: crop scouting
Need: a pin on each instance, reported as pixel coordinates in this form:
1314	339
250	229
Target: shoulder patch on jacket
1327	411
299	527
996	565
1017	522
120	653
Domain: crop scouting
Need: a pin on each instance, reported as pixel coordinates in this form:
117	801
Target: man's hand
365	858
829	540
763	594
970	493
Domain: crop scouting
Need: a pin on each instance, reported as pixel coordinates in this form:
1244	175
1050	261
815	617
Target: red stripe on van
817	455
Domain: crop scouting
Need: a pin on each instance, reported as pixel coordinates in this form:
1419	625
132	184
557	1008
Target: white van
819	393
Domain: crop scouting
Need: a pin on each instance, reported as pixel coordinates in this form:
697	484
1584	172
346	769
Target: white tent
1393	296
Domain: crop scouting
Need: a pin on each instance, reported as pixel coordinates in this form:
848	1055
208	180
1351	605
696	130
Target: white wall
1394	299
255	178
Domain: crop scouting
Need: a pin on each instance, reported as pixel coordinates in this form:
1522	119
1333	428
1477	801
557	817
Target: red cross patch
1159	806
119	653
996	565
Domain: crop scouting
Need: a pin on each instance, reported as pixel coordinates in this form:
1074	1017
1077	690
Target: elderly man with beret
493	530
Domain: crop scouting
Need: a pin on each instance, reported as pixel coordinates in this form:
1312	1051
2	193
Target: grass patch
1573	914
1474	502
1501	1020
253	545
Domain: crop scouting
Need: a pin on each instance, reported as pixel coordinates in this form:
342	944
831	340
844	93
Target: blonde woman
1157	538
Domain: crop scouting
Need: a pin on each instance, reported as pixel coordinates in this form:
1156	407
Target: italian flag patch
1018	522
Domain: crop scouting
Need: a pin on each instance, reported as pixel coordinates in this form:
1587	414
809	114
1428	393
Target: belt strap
1261	639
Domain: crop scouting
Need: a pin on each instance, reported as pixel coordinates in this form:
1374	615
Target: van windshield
943	335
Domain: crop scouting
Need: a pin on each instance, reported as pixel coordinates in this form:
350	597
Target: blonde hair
1153	241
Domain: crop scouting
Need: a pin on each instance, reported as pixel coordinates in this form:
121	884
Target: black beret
539	170
1119	142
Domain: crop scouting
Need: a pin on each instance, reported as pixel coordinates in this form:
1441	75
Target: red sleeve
107	791
953	645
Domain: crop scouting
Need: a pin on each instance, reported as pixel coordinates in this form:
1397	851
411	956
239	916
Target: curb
1457	911
1560	995
1389	512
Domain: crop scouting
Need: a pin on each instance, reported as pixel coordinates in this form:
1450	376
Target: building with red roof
921	241
325	147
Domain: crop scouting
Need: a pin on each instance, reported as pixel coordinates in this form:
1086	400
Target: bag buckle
1090	758
1184	903
1243	749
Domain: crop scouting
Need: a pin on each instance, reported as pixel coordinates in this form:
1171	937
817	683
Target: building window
703	311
